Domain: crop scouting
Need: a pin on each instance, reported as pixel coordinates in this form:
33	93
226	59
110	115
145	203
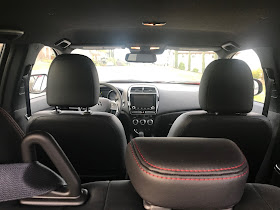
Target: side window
253	61
40	70
1	48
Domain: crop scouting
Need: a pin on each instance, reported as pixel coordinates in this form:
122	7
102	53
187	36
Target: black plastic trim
70	195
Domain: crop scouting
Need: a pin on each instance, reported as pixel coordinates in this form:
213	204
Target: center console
143	102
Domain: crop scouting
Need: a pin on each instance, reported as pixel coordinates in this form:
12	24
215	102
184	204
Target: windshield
171	66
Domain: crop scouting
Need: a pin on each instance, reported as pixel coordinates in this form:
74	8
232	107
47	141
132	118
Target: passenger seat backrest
226	95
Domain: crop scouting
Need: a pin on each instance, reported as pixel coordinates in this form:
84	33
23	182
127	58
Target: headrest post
149	206
87	111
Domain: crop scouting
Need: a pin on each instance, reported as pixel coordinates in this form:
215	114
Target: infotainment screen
143	100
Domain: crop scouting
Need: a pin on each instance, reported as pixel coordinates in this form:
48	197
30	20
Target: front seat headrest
227	87
72	81
180	173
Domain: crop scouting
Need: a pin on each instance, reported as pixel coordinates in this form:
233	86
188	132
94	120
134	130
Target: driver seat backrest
226	96
93	141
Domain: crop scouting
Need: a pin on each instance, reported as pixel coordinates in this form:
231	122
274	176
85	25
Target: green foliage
42	65
111	60
216	56
104	62
120	63
257	73
182	66
196	70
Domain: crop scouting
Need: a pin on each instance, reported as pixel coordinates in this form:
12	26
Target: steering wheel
107	105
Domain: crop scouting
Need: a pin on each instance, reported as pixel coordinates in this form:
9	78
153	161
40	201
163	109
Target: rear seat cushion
119	195
259	197
104	195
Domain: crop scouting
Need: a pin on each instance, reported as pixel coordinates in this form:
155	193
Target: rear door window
253	61
40	70
1	48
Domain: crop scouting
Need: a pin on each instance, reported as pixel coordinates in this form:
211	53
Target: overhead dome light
154	23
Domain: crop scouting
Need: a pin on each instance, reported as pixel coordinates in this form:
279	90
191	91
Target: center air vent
143	90
149	90
137	89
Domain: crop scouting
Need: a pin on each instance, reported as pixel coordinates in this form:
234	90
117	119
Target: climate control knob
135	122
150	122
143	122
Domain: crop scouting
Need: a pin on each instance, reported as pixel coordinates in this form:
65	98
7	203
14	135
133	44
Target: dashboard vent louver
149	90
137	89
143	90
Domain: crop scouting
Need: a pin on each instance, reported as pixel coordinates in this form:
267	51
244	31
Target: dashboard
172	97
149	109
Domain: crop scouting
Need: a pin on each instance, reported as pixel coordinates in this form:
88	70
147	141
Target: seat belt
32	183
269	79
272	155
26	180
26	78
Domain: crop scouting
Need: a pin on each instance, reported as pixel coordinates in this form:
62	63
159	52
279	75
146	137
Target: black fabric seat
259	197
104	195
107	195
93	141
119	195
226	95
197	173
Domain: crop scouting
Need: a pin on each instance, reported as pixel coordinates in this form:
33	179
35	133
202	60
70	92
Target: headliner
192	23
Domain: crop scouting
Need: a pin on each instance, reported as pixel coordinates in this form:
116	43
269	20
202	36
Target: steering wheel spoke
114	106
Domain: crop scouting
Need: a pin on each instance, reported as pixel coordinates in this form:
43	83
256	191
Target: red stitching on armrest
182	170
184	179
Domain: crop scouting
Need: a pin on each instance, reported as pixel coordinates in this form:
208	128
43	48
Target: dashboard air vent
137	89
149	90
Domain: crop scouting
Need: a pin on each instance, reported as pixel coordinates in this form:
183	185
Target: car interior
152	105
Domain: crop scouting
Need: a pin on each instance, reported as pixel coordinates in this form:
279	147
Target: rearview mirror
38	83
141	58
258	87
